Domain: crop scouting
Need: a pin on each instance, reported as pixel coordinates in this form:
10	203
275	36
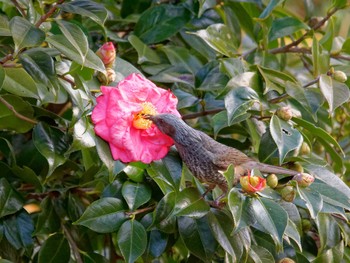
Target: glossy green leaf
104	153
18	229
4	27
19	82
76	38
59	244
275	80
10	201
157	243
238	101
164	218
313	201
222	226
197	237
132	240
286	137
220	38
88	9
84	133
104	215
293	233
285	26
235	203
190	202
63	44
25	34
48	220
145	53
260	255
136	194
161	22
269	8
52	144
319	132
328	230
272	217
9	120
27	175
336	93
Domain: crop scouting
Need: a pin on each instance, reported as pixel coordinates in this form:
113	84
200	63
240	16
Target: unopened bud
286	260
304	179
288	193
111	75
272	180
306	225
304	149
295	167
285	113
340	76
107	54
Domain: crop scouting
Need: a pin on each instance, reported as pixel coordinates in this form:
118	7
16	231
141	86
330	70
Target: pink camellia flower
118	119
107	54
252	184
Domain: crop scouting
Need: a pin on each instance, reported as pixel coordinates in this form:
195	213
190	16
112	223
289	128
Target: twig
49	13
139	211
18	115
6	58
72	243
67	79
20	9
202	113
303	37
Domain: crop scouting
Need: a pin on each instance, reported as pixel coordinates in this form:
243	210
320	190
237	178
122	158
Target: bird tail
267	168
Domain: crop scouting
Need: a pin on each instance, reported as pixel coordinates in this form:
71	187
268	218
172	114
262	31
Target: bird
206	158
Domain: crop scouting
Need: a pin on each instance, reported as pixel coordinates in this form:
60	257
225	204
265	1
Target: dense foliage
266	77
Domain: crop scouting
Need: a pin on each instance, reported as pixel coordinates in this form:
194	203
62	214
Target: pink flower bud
252	184
107	54
304	179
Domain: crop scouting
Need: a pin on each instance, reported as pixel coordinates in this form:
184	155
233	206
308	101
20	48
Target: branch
202	113
72	243
286	48
18	115
20	9
49	13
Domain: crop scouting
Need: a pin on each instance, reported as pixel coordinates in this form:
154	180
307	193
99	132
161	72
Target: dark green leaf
58	244
87	8
10	201
285	26
285	136
9	120
189	202
235	202
197	237
132	240
164	218
104	215
313	201
269	8
52	144
157	243
25	34
19	82
328	230
136	194
260	255
161	22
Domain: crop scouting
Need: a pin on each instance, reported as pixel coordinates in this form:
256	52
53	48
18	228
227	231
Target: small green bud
285	113
340	76
306	224
288	193
295	167
304	149
272	180
304	179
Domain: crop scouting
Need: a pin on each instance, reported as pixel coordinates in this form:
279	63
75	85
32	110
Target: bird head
166	122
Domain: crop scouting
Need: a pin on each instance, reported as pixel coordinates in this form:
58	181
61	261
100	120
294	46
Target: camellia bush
84	177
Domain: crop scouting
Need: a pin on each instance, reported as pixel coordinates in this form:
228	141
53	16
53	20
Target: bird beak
148	117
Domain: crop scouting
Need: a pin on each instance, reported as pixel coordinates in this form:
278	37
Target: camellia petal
118	119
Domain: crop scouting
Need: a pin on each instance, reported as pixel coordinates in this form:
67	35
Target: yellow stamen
141	123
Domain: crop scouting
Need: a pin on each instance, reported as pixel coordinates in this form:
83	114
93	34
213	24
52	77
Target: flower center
139	122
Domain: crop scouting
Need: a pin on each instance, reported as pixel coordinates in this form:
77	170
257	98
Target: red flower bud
252	184
107	54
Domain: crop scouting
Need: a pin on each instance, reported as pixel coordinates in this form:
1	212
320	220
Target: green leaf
221	226
19	82
27	175
25	34
10	201
275	80
336	93
123	69
293	233
269	8
189	202
76	37
132	240
328	230
260	255
197	237
40	66
63	44
164	218
48	221
272	217
235	203
104	152
157	243
318	132
286	137
84	133
4	27
86	8
136	194
285	26
238	101
313	201
58	244
52	144
9	120
145	53
160	22
220	38
105	215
